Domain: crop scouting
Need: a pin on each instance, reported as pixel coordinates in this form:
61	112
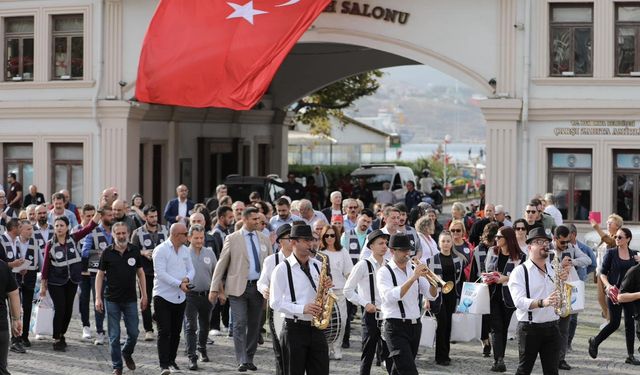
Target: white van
377	174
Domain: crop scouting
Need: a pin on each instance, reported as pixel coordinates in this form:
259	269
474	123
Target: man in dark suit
34	197
178	209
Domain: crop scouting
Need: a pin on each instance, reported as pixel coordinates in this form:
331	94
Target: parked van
377	174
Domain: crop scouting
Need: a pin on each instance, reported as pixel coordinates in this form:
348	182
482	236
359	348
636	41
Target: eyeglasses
620	238
540	242
329	236
563	242
521	228
531	211
455	230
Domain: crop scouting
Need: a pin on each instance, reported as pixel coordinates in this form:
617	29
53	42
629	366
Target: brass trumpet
436	280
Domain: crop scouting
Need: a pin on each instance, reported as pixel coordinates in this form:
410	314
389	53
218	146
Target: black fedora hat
537	233
301	231
375	234
282	230
400	242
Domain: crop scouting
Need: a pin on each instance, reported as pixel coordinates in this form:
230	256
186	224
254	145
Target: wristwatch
540	303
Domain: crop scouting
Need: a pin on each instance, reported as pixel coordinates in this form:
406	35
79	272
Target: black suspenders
371	291
526	285
395	283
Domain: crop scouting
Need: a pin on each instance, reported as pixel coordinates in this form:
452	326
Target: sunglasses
353	208
329	236
455	230
531	211
620	238
521	228
498	236
563	242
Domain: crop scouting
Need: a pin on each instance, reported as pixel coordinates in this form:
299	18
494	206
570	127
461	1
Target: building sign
601	128
355	8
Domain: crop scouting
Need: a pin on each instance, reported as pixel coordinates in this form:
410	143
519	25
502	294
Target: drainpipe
94	101
525	102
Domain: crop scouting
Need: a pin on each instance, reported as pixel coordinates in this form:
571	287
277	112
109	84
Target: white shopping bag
75	312
513	326
428	334
577	295
474	299
44	317
466	327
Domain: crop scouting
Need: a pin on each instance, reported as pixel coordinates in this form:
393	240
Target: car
239	187
377	174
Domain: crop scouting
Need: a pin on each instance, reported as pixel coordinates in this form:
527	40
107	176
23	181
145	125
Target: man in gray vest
146	238
410	231
355	239
9	253
95	243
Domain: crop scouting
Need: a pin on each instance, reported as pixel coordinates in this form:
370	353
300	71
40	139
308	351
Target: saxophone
324	297
563	306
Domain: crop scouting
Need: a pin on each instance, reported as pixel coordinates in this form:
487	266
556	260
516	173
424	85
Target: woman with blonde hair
458	212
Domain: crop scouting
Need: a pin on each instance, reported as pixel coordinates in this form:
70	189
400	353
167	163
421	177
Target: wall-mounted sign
600	128
367	10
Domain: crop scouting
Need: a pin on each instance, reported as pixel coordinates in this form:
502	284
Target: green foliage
316	109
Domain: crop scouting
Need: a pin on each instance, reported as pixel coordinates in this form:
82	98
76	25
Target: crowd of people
225	267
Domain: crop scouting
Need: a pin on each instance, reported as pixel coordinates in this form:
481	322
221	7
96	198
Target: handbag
474	299
577	295
44	317
428	334
465	327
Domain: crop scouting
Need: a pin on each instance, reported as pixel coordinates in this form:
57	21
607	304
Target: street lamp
447	140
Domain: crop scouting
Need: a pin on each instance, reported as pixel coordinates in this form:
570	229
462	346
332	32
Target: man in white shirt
400	286
309	215
551	209
391	227
360	289
293	292
533	292
174	272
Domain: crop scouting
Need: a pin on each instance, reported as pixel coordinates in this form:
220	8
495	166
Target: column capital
501	109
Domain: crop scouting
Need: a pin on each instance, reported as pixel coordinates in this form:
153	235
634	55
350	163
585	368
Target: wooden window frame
573	26
572	172
69	164
69	35
21	37
617	171
626	24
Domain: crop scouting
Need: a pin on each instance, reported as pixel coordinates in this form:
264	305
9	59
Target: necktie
256	258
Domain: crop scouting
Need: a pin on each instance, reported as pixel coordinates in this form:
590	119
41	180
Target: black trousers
26	297
500	319
543	338
615	313
220	312
486	327
443	332
351	312
275	342
147	321
169	318
371	338
403	339
197	317
62	297
304	348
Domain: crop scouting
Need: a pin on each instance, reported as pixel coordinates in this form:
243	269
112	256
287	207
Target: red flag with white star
219	53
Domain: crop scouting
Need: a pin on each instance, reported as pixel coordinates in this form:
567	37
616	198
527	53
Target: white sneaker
337	353
604	324
86	333
99	339
41	337
149	336
215	332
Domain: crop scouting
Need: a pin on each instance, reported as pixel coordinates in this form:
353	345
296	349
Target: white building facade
563	115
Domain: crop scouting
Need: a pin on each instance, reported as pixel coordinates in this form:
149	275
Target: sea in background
459	151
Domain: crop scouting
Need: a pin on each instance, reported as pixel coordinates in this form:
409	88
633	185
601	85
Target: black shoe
193	363
498	366
203	356
242	368
58	346
17	347
128	361
173	366
260	339
486	350
63	341
251	366
230	333
444	363
346	345
26	343
593	348
563	365
632	360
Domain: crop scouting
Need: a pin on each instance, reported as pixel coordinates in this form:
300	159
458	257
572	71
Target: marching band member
360	289
399	293
293	292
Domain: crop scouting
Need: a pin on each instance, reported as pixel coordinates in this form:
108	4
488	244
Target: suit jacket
171	210
234	263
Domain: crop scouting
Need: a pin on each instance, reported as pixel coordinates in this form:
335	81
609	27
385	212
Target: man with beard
95	243
410	231
58	210
284	216
146	238
391	227
42	231
355	239
120	263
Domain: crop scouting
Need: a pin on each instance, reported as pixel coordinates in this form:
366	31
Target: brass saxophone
563	306
324	297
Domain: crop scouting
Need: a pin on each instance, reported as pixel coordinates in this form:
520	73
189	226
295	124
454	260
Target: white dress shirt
268	265
390	294
357	289
280	295
429	247
540	287
170	267
182	209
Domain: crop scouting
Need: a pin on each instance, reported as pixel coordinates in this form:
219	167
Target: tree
315	110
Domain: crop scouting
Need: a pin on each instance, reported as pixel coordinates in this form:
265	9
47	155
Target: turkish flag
217	53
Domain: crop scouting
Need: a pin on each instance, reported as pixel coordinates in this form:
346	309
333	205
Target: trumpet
435	280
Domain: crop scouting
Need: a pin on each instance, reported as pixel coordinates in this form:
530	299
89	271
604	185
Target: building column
112	48
502	153
280	141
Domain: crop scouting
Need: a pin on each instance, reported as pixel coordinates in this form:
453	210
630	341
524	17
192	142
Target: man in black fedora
293	292
400	285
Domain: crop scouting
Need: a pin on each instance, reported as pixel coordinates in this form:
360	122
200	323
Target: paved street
86	359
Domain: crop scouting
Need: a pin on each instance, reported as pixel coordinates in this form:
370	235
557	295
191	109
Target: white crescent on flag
290	2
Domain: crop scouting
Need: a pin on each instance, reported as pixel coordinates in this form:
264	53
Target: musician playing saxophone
400	284
293	291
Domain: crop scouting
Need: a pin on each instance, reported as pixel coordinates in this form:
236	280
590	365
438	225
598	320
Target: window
570	182
571	40
68	45
627	36
67	170
625	189
18	41
18	158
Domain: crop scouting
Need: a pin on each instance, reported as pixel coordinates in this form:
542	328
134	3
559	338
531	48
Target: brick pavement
83	358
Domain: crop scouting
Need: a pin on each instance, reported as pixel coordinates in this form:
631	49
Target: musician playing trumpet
400	284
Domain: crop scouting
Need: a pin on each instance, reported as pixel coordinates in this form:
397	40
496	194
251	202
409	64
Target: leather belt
404	321
202	294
